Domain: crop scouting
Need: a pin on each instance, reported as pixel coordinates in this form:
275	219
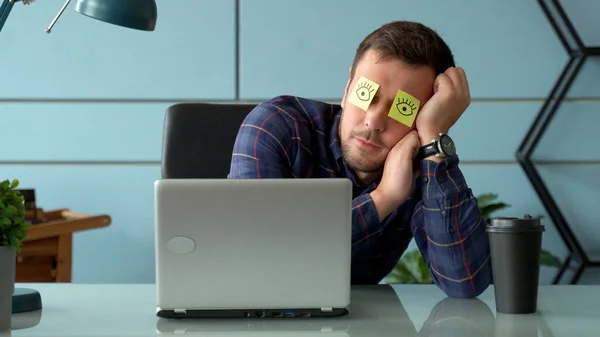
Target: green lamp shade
135	14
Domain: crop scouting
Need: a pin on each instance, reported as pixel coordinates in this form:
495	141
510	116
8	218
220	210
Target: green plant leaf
402	275
415	263
424	271
411	269
549	260
487	210
13	227
486	198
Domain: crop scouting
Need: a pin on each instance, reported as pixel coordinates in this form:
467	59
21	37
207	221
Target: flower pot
8	259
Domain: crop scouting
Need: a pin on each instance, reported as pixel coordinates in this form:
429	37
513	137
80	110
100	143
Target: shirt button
425	179
451	229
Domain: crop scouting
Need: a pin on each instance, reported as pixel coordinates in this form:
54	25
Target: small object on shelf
30	207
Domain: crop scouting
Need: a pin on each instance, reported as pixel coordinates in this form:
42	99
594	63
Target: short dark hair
410	42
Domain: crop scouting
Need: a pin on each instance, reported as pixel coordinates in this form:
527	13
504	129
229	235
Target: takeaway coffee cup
515	246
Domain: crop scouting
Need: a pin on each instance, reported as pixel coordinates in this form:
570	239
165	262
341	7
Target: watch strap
428	150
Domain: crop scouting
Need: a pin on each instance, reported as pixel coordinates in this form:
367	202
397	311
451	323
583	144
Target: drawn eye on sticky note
363	93
405	108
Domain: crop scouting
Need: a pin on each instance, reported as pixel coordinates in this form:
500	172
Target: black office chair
198	139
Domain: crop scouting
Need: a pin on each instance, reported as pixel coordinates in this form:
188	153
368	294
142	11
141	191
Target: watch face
447	145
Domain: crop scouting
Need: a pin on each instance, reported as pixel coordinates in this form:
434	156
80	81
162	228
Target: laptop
253	248
376	310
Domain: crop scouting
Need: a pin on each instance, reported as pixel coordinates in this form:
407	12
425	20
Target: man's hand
451	97
399	175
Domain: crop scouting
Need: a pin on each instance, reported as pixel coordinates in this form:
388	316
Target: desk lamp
134	14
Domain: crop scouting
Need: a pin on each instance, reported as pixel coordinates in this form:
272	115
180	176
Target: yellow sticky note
405	108
363	93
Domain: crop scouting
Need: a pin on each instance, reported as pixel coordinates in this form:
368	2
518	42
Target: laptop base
260	313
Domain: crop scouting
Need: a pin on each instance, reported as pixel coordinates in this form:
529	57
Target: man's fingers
454	75
413	141
410	143
408	138
444	80
463	78
459	80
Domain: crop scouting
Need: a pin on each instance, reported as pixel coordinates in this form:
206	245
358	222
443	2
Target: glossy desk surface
398	310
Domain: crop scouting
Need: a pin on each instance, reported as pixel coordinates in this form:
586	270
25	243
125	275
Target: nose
375	119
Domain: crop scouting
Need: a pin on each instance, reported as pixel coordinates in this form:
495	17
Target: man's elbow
466	290
469	288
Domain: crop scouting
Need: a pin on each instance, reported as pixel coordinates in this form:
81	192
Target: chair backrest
198	139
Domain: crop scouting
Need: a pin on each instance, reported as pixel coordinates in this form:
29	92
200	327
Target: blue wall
82	108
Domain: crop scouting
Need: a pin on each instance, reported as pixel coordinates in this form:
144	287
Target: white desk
399	310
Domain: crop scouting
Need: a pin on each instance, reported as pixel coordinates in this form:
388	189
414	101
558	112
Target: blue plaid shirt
293	137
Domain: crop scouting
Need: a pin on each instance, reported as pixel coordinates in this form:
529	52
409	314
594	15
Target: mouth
367	144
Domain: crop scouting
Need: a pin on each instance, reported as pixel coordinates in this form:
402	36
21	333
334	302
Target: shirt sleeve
377	244
263	147
365	224
449	230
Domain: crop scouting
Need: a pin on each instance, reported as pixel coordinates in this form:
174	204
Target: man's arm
449	230
263	147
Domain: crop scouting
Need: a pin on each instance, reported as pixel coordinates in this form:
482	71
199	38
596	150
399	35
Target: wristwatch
441	147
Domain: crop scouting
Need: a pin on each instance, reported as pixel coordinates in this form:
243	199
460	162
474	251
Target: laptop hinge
179	311
327	309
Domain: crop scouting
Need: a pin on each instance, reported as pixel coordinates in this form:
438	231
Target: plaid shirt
293	137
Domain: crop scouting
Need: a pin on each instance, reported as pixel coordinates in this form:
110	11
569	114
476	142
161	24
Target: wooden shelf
46	254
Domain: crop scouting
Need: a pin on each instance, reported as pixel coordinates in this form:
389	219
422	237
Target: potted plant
13	229
411	269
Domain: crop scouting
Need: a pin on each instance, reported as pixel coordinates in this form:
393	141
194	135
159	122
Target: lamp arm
49	29
7	6
5	9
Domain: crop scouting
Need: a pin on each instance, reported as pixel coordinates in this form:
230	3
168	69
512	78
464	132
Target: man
396	197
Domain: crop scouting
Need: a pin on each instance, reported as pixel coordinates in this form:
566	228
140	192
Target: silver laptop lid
253	243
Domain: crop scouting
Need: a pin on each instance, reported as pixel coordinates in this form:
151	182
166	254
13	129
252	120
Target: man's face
367	137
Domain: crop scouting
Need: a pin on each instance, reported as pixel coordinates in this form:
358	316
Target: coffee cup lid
514	224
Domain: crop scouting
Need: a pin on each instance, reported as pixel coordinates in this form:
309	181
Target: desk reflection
375	311
26	320
23	321
532	325
459	317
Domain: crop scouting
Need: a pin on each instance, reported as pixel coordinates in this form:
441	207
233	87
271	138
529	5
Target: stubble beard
358	163
357	158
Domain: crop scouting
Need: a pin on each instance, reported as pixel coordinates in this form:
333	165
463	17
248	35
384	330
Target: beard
358	163
358	159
